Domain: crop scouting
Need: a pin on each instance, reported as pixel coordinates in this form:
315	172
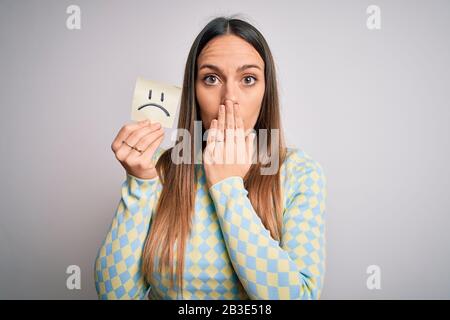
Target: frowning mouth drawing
152	104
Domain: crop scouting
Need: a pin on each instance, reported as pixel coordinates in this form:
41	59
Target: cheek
249	115
252	107
208	104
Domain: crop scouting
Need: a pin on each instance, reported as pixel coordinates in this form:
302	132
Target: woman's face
228	67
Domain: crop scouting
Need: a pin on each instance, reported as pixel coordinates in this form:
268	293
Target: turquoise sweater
230	254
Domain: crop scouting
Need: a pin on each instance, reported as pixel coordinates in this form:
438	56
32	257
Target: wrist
214	184
143	179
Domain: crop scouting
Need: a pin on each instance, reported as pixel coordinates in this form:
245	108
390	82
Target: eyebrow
241	68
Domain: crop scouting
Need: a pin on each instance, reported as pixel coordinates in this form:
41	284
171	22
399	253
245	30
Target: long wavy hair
171	223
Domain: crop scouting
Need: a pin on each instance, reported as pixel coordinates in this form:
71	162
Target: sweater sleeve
292	268
118	263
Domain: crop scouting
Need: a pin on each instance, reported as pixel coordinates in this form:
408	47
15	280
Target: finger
218	152
211	141
220	136
212	132
229	114
138	134
241	152
125	150
250	147
230	144
125	132
149	152
145	142
219	143
221	123
248	131
239	122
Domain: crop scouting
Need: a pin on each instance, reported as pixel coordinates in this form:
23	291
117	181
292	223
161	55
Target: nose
229	92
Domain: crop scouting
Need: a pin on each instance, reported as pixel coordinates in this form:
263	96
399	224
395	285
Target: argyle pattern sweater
230	255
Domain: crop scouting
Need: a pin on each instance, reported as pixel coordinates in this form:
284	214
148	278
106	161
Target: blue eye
250	77
213	77
209	76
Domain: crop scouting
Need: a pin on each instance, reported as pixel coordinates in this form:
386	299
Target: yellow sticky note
156	101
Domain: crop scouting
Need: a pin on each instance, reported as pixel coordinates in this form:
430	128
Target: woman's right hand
145	136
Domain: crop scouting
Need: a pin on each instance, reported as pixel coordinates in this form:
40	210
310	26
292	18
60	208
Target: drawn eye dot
150	95
162	96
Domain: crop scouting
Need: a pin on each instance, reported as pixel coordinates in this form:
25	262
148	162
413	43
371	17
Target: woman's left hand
229	151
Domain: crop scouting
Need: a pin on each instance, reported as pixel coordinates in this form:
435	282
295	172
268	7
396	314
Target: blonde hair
171	223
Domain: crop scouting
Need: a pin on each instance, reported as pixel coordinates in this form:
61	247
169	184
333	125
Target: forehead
229	49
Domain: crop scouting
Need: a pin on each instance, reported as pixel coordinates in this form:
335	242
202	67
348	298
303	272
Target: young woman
218	229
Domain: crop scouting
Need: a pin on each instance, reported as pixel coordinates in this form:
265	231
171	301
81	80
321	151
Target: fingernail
222	108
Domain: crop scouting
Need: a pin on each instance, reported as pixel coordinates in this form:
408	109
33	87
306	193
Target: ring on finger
132	147
138	150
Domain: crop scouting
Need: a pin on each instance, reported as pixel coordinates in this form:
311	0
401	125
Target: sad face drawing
155	101
155	104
